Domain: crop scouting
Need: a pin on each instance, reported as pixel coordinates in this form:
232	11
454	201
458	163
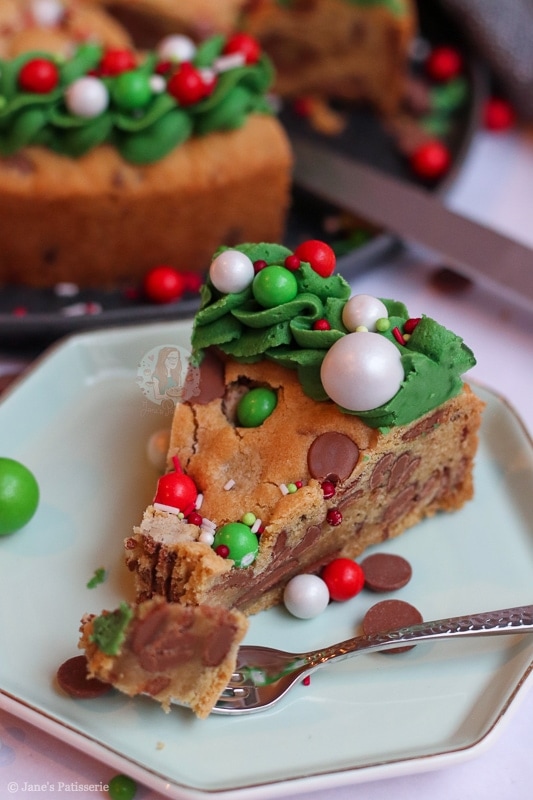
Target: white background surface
496	188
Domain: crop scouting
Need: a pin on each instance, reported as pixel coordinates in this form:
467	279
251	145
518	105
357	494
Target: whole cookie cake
349	49
113	161
317	424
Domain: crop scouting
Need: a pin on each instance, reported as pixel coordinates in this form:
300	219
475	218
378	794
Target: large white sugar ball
362	371
87	97
363	310
176	47
231	271
306	596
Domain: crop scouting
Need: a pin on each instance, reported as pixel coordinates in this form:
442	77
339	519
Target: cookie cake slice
317	424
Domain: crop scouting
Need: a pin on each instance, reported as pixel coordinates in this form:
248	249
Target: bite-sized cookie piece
166	651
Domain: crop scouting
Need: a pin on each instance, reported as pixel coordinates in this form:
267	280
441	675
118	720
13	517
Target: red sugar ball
498	114
40	75
115	61
444	63
246	45
431	160
319	254
164	284
344	578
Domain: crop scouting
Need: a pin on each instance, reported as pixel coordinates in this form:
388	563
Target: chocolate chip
389	615
385	572
73	678
332	456
206	382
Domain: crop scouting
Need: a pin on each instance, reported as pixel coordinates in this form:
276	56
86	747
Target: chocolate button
385	572
389	615
332	456
73	678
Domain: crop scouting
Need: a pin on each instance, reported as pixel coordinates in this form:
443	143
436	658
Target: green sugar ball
19	495
132	90
122	787
255	406
240	541
273	286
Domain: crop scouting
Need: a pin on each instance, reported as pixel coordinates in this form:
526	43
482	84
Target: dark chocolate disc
389	615
73	678
385	572
332	456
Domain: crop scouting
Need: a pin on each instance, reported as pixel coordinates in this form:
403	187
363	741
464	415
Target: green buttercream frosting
142	134
109	630
433	358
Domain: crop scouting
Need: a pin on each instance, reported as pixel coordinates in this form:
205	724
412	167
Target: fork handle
506	621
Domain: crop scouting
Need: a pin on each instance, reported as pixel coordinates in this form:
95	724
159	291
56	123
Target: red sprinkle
411	324
194	518
307	680
298	484
334	517
321	325
396	332
292	262
259	265
329	489
222	550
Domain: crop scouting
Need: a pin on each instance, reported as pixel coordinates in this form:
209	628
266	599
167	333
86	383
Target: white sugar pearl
157	84
362	371
157	449
87	97
176	48
47	13
206	537
231	271
306	596
363	310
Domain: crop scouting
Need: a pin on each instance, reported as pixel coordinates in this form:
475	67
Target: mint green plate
81	420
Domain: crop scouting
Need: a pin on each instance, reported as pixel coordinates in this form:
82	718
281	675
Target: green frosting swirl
142	135
433	357
109	630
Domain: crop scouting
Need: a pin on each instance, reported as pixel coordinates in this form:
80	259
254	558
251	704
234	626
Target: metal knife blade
416	215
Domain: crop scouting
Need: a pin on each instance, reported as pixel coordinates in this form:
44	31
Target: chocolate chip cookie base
386	484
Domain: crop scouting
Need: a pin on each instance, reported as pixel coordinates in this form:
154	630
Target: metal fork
264	675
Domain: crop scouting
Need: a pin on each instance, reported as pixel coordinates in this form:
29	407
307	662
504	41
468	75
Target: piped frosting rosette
145	105
261	301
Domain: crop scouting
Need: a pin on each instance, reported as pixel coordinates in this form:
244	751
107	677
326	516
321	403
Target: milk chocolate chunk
211	382
332	456
73	678
389	615
386	572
